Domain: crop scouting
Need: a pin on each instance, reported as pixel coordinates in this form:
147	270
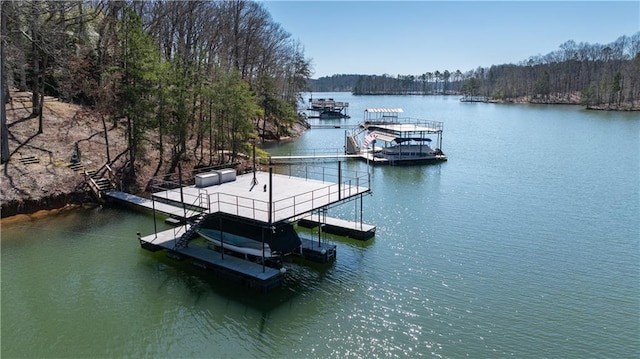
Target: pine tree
139	62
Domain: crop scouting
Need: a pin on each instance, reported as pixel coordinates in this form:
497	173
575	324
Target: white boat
390	139
237	243
403	151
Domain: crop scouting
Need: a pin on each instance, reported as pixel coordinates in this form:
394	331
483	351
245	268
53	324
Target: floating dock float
317	251
341	227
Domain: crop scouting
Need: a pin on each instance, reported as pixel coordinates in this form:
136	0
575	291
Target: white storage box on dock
227	175
207	179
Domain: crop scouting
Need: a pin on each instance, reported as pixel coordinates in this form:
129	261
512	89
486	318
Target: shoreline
27	207
38	198
25	217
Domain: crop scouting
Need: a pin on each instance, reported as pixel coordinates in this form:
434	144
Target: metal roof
388	110
405	127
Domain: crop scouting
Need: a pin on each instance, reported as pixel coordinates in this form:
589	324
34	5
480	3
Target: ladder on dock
189	234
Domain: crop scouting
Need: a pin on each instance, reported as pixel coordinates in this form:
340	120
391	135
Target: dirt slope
38	175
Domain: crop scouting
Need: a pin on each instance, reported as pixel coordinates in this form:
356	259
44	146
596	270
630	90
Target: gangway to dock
172	210
328	127
287	158
321	154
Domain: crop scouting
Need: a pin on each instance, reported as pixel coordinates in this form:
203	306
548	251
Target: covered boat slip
260	206
389	126
248	197
391	139
328	108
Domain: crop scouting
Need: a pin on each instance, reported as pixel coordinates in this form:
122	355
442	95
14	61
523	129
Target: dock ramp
171	210
352	145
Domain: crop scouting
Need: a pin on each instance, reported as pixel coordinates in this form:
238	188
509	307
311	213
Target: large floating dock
268	199
262	200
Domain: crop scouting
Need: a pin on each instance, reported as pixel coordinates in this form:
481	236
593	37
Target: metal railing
339	186
93	185
318	152
432	126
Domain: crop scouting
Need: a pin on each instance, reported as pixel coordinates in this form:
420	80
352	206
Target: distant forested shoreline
593	75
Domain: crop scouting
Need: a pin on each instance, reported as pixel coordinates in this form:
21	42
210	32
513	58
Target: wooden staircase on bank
98	181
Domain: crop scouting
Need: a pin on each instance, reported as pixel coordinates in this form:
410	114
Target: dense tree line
598	76
171	72
429	83
595	75
334	83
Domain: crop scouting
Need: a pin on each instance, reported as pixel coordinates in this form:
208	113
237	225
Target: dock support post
184	207
263	265
153	207
319	228
270	214
253	142
339	180
221	237
361	211
270	211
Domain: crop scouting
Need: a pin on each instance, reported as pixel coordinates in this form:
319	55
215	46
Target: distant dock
469	98
328	108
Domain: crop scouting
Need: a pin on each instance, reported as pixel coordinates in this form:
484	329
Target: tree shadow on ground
25	143
11	180
24	119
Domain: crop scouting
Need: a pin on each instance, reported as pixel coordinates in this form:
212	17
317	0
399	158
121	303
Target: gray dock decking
290	196
341	227
262	276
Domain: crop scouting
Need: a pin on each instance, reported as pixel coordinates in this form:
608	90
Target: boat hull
410	154
409	160
237	243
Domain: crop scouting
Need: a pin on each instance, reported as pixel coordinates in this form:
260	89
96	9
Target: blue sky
414	37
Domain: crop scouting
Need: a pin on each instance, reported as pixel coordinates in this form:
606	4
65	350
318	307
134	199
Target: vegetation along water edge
96	89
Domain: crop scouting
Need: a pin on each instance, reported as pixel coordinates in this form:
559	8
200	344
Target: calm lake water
525	244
